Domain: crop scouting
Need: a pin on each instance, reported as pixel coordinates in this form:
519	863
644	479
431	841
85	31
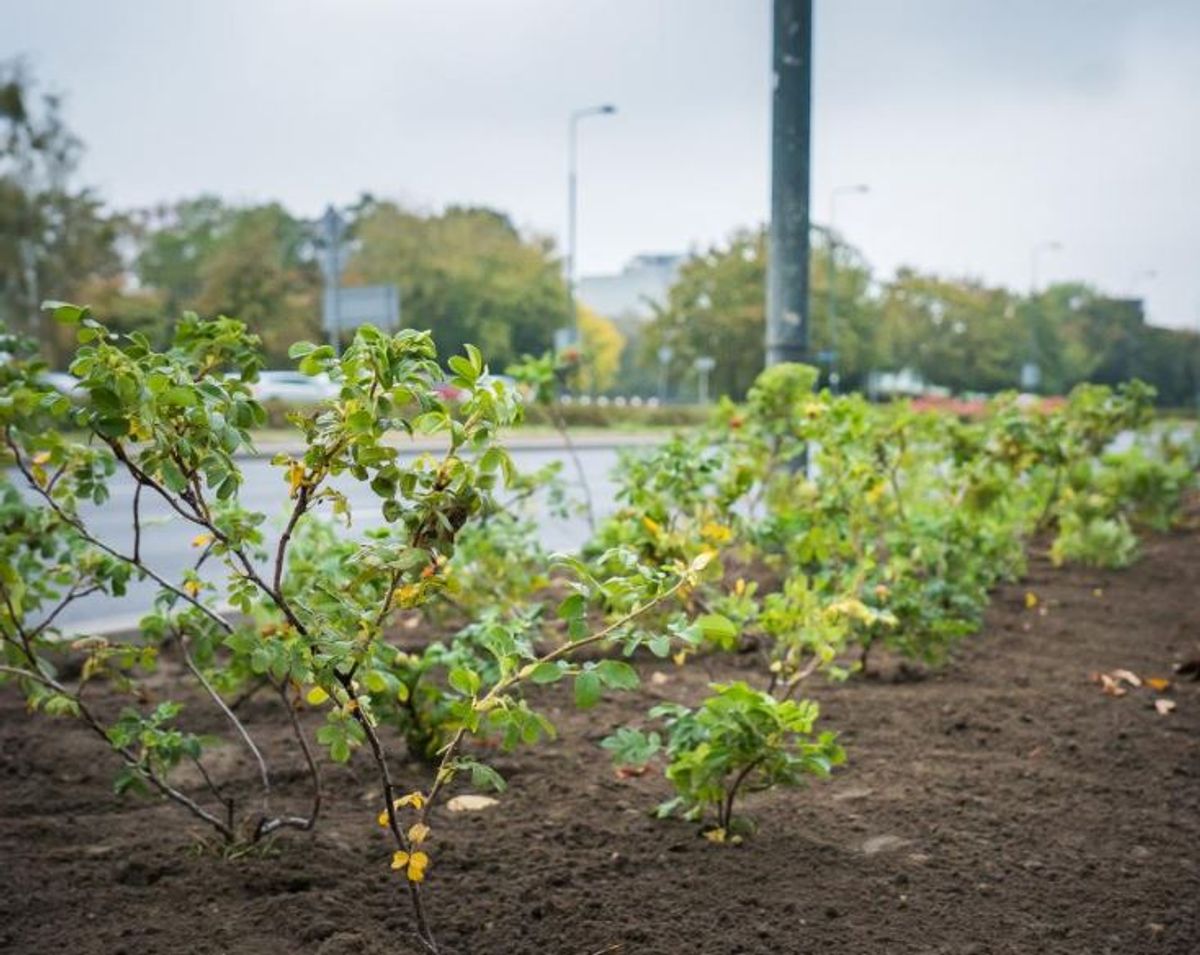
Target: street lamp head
604	109
857	189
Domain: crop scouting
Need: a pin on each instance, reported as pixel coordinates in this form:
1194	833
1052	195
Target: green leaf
587	689
660	644
618	675
467	682
180	397
65	312
463	368
572	607
720	630
547	673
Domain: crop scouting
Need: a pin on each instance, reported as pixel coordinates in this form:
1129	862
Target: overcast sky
983	127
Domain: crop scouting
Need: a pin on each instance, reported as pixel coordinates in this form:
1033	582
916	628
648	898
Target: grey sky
982	126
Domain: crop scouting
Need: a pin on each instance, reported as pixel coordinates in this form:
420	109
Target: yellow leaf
408	595
680	658
402	693
702	560
399	859
416	866
1097	591
740	587
202	540
295	477
651	525
418	833
42	457
192	587
382	819
1031	600
316	696
715	835
414	799
716	533
1157	683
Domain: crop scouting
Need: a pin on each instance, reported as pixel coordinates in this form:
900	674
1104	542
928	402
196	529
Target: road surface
166	537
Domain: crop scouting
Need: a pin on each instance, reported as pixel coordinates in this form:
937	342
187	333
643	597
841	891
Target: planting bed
1002	804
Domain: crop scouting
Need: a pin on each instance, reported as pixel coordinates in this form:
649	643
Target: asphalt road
166	538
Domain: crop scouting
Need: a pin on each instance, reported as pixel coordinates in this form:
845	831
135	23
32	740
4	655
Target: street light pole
858	189
787	240
572	193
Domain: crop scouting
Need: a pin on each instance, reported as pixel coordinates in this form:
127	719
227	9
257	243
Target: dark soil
1003	804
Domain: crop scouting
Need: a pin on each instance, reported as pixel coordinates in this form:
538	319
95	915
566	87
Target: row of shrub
880	526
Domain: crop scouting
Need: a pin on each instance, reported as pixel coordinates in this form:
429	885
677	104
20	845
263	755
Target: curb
549	443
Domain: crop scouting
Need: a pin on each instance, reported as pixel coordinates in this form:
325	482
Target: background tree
52	238
254	263
957	333
717	307
467	275
603	344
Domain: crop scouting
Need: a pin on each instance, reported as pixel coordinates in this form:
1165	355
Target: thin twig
229	715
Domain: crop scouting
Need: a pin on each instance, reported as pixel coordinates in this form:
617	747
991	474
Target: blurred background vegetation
469	274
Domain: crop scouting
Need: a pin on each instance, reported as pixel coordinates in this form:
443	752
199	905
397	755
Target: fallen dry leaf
658	678
1164	706
471	803
1031	600
1110	686
1157	683
1128	676
629	772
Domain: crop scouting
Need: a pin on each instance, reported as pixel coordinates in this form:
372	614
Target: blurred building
627	297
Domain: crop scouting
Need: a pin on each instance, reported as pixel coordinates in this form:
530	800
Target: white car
292	387
63	383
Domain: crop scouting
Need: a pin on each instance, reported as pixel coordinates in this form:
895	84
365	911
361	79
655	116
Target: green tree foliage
957	333
466	274
960	334
718	308
53	237
253	262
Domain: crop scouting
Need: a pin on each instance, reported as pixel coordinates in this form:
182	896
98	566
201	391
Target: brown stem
281	550
862	657
231	716
79	526
315	773
725	814
424	932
